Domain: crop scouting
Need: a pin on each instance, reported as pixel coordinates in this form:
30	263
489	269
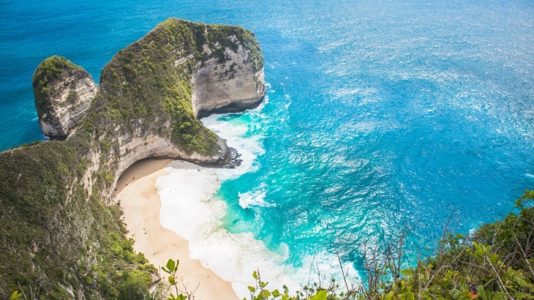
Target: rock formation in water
63	94
61	233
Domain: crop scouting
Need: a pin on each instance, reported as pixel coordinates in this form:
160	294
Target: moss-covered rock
61	235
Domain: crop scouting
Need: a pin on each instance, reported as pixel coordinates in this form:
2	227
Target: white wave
254	198
190	208
234	134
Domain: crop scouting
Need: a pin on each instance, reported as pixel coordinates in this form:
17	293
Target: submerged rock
235	159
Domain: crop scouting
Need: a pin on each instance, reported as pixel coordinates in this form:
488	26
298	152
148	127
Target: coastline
140	202
171	206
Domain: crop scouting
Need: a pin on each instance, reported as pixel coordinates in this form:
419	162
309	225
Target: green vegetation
143	82
173	290
72	97
45	78
50	241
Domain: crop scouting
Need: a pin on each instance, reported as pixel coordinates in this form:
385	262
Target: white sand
140	203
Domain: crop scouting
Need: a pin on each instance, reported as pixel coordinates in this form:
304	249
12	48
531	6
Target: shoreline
179	199
140	202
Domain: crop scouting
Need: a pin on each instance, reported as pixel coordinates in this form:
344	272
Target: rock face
230	84
63	93
61	232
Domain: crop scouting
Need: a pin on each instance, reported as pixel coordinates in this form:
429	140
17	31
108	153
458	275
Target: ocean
382	118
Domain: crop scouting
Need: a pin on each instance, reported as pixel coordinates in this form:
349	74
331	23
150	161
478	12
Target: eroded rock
63	94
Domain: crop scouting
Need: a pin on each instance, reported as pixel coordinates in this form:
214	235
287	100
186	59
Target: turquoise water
381	115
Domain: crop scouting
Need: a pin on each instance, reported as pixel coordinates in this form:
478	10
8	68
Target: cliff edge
61	236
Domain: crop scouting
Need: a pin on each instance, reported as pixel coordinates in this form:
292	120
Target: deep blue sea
381	115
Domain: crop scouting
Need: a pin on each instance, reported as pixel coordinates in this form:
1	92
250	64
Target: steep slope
61	235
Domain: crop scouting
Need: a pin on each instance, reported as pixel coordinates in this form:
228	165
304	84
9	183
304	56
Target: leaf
519	278
454	293
255	275
276	293
482	292
15	295
389	296
251	289
171	265
321	295
520	296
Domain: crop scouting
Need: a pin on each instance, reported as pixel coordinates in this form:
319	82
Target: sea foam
254	198
190	208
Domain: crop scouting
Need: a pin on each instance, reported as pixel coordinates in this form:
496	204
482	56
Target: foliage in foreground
495	263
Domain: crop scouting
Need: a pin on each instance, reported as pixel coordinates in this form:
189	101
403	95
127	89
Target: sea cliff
61	235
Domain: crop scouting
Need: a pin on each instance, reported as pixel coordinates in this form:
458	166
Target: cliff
61	234
63	94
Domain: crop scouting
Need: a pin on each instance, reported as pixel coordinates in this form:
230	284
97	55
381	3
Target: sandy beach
140	202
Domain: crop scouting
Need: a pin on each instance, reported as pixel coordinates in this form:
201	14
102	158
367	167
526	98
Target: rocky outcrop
59	227
231	84
63	93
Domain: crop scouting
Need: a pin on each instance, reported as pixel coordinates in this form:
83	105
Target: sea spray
191	208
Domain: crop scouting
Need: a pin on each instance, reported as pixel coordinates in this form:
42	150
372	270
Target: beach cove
140	202
172	210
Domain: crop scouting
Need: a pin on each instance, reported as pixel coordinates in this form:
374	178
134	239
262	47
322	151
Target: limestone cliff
63	93
61	232
219	82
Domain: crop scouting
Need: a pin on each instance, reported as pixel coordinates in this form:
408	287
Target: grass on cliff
50	241
149	80
46	75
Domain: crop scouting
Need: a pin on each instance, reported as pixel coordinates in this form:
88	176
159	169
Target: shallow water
381	115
